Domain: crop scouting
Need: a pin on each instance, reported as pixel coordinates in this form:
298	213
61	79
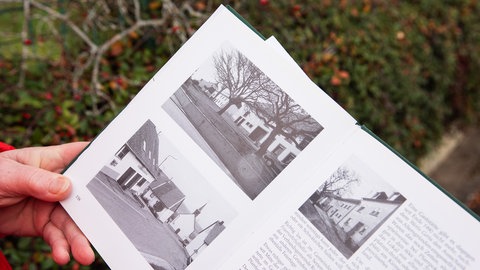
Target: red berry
344	74
104	75
75	266
48	96
263	2
27	42
26	115
70	131
335	81
58	109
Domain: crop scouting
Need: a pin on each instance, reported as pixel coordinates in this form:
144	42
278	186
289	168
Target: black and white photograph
160	202
351	205
245	122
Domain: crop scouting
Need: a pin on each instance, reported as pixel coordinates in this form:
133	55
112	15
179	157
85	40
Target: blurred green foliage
32	253
405	69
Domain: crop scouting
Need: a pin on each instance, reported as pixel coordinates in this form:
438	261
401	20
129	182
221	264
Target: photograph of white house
350	206
248	125
160	202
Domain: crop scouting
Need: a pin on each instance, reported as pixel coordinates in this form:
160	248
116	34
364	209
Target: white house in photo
220	97
135	165
163	198
214	91
280	152
135	168
337	207
185	225
209	88
359	219
283	149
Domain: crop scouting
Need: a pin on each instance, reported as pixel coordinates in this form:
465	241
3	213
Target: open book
230	157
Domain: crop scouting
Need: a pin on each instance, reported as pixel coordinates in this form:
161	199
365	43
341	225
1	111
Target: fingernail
59	185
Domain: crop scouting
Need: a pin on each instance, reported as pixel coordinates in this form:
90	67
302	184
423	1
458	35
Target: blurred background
408	70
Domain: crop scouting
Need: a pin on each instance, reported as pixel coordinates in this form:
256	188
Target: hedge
408	70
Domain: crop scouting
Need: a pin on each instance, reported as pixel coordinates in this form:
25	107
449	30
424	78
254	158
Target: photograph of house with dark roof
160	202
351	205
244	121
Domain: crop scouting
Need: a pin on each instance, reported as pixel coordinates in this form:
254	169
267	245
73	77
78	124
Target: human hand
30	188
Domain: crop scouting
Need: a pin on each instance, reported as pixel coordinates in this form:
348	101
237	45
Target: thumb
18	180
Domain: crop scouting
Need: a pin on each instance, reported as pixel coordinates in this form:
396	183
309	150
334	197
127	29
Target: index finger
52	158
18	181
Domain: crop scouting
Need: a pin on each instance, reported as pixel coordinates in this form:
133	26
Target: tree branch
25	50
65	19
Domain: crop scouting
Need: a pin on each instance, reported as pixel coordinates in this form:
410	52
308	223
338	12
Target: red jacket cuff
5	147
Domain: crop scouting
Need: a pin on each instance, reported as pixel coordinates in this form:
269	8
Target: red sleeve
5	147
4	265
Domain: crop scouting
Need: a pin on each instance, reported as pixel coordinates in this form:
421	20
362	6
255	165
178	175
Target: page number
78	197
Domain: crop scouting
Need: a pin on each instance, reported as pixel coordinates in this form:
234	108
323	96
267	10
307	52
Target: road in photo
175	111
234	152
247	124
139	224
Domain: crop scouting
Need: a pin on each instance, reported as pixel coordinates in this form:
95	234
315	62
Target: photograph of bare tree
351	205
249	126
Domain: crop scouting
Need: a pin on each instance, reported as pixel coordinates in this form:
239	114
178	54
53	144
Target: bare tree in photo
285	117
240	80
243	82
249	126
351	205
339	183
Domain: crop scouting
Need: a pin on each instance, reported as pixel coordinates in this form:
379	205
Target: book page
365	209
186	172
275	44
